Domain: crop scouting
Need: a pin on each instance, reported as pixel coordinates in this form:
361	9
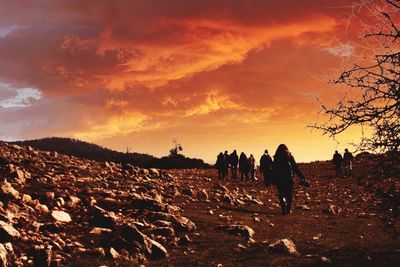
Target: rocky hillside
81	149
58	209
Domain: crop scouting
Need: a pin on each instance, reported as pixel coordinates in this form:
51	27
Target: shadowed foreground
61	210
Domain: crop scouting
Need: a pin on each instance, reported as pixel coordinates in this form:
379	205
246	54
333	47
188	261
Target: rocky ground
57	210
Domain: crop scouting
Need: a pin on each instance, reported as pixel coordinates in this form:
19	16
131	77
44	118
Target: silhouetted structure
176	149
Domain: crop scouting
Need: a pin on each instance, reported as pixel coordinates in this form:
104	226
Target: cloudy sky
215	75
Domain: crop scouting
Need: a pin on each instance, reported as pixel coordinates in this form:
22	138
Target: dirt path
355	236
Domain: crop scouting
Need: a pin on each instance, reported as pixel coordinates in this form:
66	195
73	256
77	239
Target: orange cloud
238	72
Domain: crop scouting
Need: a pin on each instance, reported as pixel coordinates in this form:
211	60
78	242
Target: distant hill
81	149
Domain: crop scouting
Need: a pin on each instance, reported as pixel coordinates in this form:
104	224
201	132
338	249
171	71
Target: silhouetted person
266	168
220	165
348	162
284	168
226	163
244	167
234	161
337	162
252	167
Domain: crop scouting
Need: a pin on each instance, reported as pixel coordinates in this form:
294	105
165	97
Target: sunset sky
215	75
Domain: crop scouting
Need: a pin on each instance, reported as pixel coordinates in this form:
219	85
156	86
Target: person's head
251	156
282	151
220	154
336	152
266	151
226	151
346	150
234	151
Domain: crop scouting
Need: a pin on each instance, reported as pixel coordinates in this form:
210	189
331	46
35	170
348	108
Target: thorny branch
376	102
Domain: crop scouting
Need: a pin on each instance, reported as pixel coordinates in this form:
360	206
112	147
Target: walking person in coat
337	162
244	167
234	161
266	168
253	168
284	168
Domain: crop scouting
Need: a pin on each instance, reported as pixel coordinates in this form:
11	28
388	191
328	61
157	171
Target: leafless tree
372	84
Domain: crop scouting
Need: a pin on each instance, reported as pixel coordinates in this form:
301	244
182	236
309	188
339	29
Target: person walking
266	168
243	167
284	168
234	161
253	168
337	162
348	162
226	164
219	164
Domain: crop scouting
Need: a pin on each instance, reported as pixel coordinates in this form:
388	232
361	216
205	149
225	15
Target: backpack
281	169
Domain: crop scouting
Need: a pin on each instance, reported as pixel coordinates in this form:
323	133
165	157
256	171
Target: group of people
278	171
346	160
247	166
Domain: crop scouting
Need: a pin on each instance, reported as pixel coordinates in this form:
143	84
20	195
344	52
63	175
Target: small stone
114	254
284	246
242	230
326	260
158	251
42	256
61	216
154	172
202	195
332	209
4	257
7	189
26	198
8	232
184	240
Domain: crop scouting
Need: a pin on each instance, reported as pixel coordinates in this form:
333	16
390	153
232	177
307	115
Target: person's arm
296	169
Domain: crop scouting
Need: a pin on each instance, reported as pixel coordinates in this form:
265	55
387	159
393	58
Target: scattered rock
61	216
4	257
332	209
202	195
284	246
242	230
158	251
8	232
42	256
154	172
8	191
326	260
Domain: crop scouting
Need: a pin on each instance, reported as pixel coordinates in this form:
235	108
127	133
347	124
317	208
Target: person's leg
289	198
282	200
